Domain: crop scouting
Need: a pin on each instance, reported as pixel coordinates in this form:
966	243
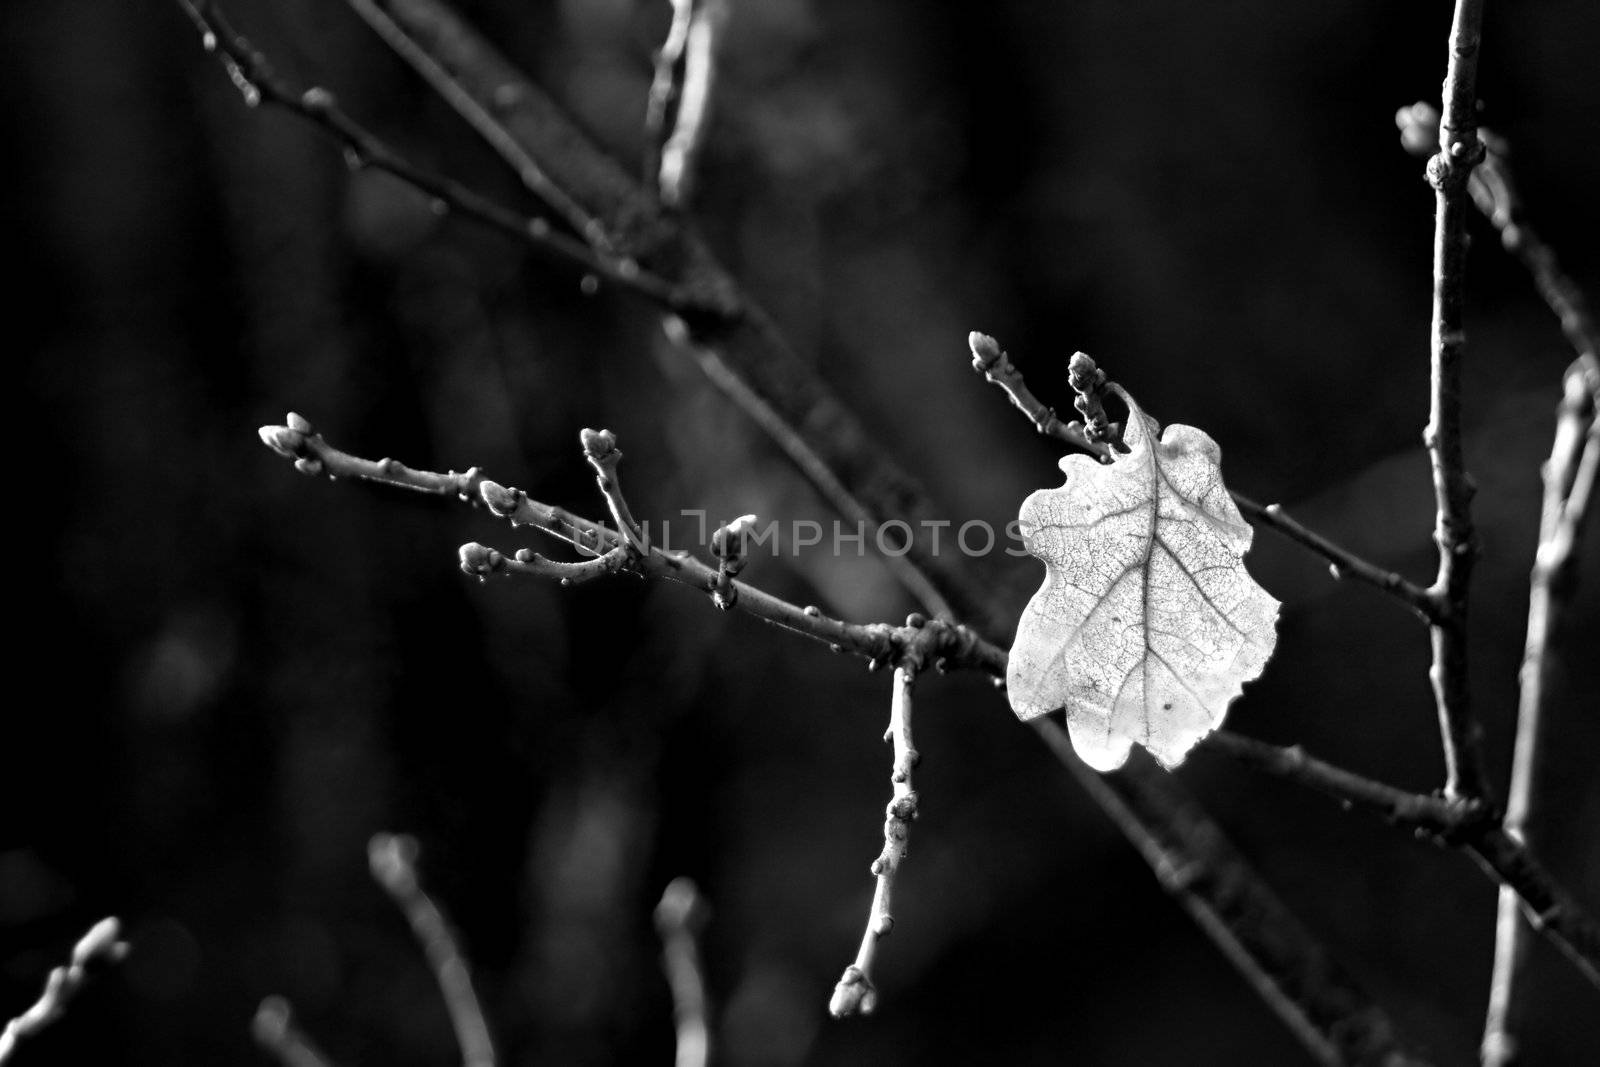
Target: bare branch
855	993
393	859
665	88
1342	562
99	948
680	917
1196	863
1448	172
275	1031
681	152
1568	479
944	644
1463	822
1495	194
259	83
992	362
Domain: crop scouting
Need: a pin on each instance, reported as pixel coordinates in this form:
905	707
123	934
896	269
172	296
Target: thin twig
665	88
680	917
96	950
394	866
1342	562
676	173
992	362
1464	822
1495	194
259	83
1448	172
275	1031
1568	480
1207	876
947	645
855	993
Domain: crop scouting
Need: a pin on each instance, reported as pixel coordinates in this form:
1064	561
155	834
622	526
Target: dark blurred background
229	676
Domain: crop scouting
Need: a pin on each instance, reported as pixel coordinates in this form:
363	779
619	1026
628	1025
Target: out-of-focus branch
1568	483
258	83
686	77
275	1031
855	994
99	948
680	917
992	362
1460	150
393	859
1314	996
1495	194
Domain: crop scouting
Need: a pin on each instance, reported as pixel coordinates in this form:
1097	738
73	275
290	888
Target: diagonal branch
97	949
1568	481
1448	172
259	84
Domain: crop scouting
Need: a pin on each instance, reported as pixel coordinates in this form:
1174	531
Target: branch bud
986	351
499	499
479	561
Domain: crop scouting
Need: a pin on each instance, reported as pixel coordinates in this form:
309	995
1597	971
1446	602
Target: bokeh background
226	676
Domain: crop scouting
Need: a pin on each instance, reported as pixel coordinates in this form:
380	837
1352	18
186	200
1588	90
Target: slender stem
992	362
275	1031
394	866
1495	194
666	86
259	83
1315	997
1448	171
945	644
855	992
99	948
675	171
680	917
1567	483
1464	822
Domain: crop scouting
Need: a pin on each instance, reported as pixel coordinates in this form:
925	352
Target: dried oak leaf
1147	624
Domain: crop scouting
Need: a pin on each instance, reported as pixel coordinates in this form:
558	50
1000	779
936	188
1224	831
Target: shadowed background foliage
229	676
